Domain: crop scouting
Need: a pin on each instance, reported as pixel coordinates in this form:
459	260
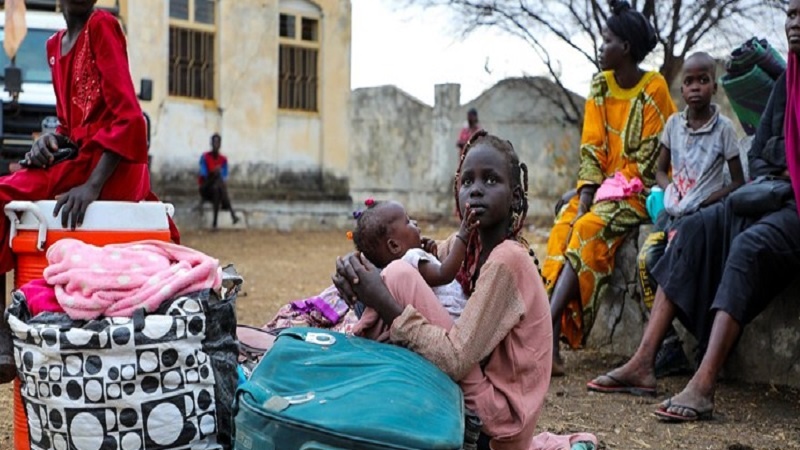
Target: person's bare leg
8	370
698	395
217	203
639	371
566	289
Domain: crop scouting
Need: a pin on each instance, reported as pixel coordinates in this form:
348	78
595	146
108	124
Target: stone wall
768	352
406	150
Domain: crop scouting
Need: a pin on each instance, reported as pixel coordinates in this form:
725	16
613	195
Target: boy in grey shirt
696	144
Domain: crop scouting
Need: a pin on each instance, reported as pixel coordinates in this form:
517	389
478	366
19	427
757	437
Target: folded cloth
40	297
618	188
755	52
327	310
118	279
549	441
748	94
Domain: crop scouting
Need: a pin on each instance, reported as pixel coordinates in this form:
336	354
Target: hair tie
349	235
357	214
369	202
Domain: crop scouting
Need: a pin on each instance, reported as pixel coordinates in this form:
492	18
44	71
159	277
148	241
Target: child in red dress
98	114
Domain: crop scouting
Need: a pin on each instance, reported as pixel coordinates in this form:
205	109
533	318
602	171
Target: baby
384	233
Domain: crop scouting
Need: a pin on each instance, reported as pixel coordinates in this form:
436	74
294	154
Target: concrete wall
273	153
405	150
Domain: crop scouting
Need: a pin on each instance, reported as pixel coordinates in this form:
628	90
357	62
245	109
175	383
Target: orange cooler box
34	229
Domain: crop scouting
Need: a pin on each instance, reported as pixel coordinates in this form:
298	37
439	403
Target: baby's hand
469	223
429	245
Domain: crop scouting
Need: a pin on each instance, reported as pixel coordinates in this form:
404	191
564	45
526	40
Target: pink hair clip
369	202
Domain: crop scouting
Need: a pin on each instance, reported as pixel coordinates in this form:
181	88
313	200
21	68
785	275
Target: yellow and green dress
621	132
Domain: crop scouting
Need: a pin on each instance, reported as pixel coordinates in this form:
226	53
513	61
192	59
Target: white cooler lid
101	215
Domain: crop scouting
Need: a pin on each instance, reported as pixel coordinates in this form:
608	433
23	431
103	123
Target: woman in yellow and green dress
624	115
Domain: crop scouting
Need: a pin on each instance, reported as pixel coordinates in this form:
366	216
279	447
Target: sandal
621	387
698	415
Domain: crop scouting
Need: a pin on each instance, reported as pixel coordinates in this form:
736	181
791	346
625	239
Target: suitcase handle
317	446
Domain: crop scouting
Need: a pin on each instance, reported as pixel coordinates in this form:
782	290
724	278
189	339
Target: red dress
97	109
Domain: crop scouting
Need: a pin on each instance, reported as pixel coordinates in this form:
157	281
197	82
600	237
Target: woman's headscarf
632	26
791	123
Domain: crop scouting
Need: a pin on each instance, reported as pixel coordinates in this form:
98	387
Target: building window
298	63
192	32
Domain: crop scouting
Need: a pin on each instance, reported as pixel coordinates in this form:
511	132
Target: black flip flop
621	387
666	416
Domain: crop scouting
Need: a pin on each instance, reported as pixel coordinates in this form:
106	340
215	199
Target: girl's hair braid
518	172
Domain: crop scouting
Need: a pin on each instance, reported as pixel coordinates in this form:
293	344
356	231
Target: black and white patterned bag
161	381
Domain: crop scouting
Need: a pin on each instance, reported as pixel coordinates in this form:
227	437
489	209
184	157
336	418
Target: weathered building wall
392	147
273	154
405	150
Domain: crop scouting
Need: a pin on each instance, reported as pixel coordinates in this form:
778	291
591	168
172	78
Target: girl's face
486	186
793	26
613	51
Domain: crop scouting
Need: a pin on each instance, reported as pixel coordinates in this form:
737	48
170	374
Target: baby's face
402	229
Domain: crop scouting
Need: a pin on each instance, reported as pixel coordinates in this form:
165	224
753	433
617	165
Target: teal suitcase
320	390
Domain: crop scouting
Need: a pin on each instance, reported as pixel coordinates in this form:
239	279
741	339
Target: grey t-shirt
698	160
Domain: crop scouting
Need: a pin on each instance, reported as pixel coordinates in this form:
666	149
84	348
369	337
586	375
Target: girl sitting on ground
500	349
384	233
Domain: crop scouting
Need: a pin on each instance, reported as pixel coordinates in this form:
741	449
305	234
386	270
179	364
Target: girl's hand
74	203
357	278
345	279
430	246
469	223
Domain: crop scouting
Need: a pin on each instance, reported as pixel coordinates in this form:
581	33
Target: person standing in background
472	126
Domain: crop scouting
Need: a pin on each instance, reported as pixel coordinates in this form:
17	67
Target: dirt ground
280	267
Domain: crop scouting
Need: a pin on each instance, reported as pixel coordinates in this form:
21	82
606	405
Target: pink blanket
549	441
116	280
618	188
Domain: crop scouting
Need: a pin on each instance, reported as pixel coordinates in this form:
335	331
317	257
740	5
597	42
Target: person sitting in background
696	144
728	261
213	180
626	110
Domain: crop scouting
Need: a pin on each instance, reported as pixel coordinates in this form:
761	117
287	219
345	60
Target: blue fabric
203	167
359	309
655	203
582	446
355	393
242	377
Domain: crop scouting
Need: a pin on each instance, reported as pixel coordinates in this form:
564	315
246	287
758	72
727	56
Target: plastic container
34	229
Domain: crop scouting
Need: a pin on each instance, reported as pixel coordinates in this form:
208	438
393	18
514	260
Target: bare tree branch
681	26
